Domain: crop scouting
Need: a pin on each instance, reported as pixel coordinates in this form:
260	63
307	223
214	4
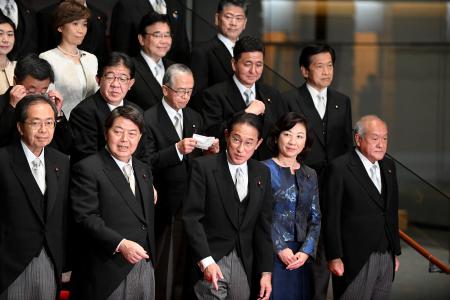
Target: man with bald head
361	206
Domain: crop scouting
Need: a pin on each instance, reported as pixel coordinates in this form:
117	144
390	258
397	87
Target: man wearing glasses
32	75
155	39
34	181
169	149
115	77
228	214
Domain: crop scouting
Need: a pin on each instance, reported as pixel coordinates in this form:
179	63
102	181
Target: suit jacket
357	216
210	64
146	90
210	215
338	139
24	225
26	32
87	123
62	138
224	99
106	211
94	41
171	174
127	15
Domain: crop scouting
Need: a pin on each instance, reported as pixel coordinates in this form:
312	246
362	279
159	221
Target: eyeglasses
122	78
230	17
35	124
248	144
159	35
180	92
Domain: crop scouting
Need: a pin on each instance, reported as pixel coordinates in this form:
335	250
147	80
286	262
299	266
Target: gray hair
360	125
174	70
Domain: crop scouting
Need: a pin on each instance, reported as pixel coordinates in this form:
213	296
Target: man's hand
186	145
257	107
56	98
155	195
301	258
212	273
214	148
336	266
266	286
397	263
16	94
132	252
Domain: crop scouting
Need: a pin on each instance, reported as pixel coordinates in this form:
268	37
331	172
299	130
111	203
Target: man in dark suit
26	33
32	75
228	214
94	41
330	120
155	39
112	200
125	19
170	152
34	182
211	60
242	92
87	119
361	205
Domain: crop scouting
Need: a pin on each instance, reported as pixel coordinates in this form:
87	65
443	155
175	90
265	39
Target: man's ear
305	72
19	128
225	133
259	143
216	19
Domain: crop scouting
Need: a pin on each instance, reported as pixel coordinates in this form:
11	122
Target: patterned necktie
240	184
179	125
160	7
129	175
247	96
321	105
159	73
375	178
39	174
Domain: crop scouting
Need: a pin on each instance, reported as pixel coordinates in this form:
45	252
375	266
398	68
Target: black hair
305	56
114	59
150	19
33	66
241	3
245	118
129	112
247	44
21	111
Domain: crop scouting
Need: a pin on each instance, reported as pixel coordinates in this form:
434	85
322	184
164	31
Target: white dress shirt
157	68
368	165
112	107
227	42
242	88
314	95
31	157
172	113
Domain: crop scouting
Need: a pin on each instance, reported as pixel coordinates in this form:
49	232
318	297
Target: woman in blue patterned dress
296	213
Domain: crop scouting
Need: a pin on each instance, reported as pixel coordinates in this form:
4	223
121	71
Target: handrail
424	252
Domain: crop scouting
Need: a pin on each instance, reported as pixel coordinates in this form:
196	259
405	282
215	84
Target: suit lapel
118	180
225	185
102	107
189	125
20	167
222	55
165	121
357	168
143	181
255	189
51	178
234	96
387	181
144	70
306	104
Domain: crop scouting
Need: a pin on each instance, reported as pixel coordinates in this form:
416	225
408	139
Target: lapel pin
389	171
268	99
144	176
259	183
337	106
175	14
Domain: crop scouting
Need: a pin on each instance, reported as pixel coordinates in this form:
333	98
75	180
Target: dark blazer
127	15
62	138
24	225
87	123
338	139
210	215
94	42
146	90
224	99
26	32
356	217
106	211
210	64
171	174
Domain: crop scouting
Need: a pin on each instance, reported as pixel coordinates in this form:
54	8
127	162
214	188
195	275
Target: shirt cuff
180	156
204	263
118	246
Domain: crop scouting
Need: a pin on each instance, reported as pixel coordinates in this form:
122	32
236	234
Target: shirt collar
111	107
170	111
120	163
151	62
367	163
30	155
314	92
227	42
232	167
242	88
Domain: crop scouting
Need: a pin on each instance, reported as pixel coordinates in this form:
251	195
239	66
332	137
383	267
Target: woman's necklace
68	53
292	165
